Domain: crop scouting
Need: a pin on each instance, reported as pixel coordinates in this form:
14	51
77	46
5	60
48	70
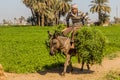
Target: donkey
62	44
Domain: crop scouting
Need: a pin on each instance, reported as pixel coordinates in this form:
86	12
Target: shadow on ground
58	68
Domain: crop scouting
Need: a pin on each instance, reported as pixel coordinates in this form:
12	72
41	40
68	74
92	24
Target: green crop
23	49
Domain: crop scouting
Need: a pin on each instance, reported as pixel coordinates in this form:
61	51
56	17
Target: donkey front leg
70	65
66	64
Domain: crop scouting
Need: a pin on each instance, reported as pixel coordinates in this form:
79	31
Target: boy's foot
72	46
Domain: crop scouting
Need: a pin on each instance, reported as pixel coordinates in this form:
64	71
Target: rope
63	45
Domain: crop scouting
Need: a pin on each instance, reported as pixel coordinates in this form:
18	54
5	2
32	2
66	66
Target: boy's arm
67	19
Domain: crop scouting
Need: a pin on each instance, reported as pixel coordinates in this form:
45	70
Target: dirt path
97	71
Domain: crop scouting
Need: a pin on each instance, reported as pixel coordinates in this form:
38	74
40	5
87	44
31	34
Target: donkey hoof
88	69
71	70
81	69
63	74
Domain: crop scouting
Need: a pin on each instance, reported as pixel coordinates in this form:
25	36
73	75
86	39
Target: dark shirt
75	18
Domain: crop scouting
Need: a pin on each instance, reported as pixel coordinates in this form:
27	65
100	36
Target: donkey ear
56	34
49	33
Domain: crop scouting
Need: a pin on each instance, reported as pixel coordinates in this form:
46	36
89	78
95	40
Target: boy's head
74	8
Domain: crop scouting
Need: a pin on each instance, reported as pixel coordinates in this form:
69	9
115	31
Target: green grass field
113	38
22	49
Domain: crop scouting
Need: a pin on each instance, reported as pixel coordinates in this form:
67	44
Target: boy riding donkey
77	21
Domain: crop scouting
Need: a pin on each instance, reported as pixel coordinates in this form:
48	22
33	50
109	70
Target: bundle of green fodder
90	45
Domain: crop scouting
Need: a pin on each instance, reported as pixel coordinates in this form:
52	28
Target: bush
90	44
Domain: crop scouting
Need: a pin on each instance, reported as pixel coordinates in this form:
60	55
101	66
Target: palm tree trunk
42	20
99	16
33	15
38	20
57	18
56	22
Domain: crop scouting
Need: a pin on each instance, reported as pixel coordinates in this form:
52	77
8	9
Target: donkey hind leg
78	59
88	67
66	64
82	65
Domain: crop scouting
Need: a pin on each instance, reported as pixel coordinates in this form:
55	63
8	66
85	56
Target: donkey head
54	43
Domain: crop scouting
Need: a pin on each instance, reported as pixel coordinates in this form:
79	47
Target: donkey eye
54	43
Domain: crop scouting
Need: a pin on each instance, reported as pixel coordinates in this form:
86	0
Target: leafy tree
105	18
116	19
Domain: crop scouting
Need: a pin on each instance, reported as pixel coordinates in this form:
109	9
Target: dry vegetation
2	75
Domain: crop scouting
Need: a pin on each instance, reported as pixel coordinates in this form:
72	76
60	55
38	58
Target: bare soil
96	72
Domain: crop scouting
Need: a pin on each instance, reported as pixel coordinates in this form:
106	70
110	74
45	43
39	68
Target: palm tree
100	6
60	7
39	8
43	11
64	6
57	8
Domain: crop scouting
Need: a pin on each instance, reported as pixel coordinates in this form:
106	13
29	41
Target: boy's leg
67	30
72	38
